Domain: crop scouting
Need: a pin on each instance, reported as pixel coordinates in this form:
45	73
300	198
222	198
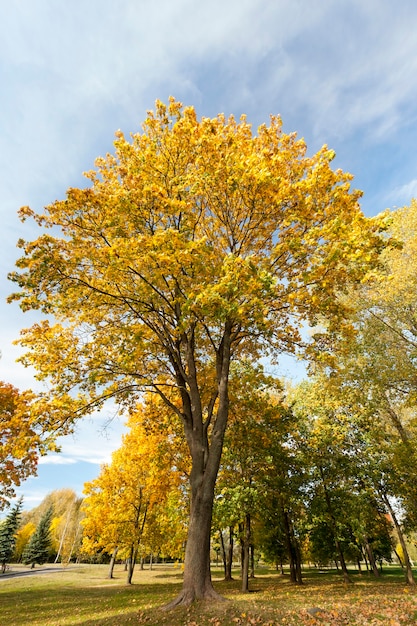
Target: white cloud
56	459
403	194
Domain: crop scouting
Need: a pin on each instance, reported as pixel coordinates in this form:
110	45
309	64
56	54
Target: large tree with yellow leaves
195	244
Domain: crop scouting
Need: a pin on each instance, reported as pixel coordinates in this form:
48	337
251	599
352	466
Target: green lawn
83	595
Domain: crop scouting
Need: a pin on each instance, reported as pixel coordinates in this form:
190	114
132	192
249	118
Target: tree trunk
252	561
245	553
371	558
299	574
295	550
112	562
131	564
205	441
223	553
290	547
229	555
409	577
197	583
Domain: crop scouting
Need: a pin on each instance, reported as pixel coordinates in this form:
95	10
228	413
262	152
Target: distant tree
23	536
38	548
121	499
8	530
66	531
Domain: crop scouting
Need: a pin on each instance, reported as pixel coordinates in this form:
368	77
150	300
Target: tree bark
245	553
252	561
223	552
292	549
197	583
205	456
131	564
112	562
371	558
229	555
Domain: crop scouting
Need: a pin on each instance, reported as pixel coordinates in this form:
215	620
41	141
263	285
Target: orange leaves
22	439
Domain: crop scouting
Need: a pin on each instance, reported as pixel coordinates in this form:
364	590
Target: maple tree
196	243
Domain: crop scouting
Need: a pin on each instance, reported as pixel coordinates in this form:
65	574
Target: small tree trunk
371	558
245	553
112	562
131	564
363	554
252	561
295	549
346	576
298	572
223	552
229	555
290	546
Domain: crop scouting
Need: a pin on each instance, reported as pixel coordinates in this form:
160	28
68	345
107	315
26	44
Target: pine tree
8	530
37	550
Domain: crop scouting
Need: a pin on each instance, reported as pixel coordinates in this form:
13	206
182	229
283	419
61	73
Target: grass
82	595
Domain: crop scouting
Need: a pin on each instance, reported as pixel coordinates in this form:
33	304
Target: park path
17	570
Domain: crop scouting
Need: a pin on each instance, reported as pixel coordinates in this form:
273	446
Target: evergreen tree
8	530
37	550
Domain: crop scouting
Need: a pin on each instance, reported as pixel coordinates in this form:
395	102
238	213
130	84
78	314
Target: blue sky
339	72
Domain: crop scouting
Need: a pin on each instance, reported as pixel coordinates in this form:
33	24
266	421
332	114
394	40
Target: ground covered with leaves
82	595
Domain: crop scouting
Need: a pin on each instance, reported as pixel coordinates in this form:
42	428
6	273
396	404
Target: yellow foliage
120	504
190	227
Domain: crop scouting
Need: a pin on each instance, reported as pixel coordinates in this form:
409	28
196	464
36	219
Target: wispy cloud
402	195
56	459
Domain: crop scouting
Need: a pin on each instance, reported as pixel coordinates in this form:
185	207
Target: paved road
23	571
